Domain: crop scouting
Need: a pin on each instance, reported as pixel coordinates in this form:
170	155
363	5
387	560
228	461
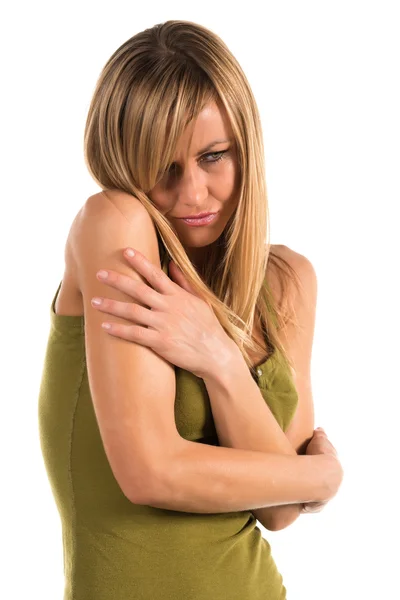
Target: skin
299	347
198	183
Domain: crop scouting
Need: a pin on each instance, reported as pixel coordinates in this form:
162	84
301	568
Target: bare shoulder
107	201
300	264
97	210
296	260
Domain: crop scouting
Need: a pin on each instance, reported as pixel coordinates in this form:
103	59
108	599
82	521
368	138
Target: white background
326	79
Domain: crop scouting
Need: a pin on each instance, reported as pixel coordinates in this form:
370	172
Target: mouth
206	220
199	215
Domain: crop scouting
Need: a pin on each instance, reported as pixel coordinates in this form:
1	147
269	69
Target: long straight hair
149	90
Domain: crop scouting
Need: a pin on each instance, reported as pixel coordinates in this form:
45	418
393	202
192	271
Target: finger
154	275
312	507
127	310
138	290
132	333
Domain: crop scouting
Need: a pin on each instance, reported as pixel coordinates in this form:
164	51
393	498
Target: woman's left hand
178	325
319	444
313	507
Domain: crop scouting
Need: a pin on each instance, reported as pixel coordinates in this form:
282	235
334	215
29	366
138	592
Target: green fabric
116	550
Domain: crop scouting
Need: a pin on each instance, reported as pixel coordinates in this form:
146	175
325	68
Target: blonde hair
151	87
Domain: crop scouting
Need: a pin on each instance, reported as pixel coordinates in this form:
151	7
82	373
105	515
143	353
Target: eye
219	155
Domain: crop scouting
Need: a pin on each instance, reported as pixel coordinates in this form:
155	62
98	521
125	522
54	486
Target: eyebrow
213	144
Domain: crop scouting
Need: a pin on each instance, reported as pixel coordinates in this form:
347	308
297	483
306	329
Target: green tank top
116	550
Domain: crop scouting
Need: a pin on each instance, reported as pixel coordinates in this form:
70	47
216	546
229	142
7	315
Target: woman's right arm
133	393
212	479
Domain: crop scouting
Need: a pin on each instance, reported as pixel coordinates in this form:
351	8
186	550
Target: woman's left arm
298	345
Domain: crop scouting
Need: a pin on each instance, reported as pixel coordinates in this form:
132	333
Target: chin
199	239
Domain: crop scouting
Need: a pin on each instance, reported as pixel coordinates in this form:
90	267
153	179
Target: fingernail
97	301
102	274
129	252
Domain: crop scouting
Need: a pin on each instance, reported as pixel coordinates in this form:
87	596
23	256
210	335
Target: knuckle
140	287
139	332
113	305
118	278
133	308
158	274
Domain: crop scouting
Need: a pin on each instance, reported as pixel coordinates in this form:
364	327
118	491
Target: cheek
225	184
228	178
161	202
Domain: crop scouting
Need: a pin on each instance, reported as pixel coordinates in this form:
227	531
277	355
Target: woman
167	436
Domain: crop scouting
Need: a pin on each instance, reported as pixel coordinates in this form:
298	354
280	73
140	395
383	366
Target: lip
199	216
209	218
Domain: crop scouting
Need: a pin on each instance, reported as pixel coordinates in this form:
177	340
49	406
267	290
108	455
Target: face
202	178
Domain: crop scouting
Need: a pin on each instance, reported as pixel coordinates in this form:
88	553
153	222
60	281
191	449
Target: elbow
288	515
139	489
268	521
272	523
148	491
277	525
139	493
156	485
152	489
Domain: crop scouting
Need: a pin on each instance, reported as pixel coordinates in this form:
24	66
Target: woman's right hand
320	444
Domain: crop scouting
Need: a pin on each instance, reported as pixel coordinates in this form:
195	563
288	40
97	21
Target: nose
191	186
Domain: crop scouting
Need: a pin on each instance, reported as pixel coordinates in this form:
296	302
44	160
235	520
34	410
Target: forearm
202	478
243	420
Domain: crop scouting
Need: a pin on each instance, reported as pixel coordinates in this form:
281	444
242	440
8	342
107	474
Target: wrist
228	360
